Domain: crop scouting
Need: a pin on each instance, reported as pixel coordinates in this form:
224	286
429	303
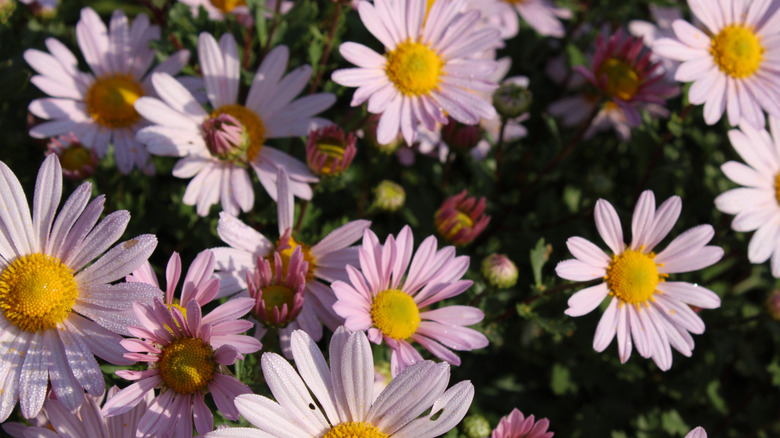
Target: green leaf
539	256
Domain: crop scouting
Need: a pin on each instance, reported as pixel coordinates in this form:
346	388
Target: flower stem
334	24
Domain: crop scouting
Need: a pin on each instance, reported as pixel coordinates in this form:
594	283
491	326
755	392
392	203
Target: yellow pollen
414	68
252	123
227	6
355	430
334	152
287	254
737	51
622	79
37	292
75	157
395	313
277	295
777	188
187	365
110	100
633	276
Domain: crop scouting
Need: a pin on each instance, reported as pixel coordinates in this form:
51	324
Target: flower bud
476	426
329	151
499	271
459	136
460	219
511	99
773	304
389	196
77	161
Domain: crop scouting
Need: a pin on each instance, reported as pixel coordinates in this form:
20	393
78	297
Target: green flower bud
476	426
499	271
389	196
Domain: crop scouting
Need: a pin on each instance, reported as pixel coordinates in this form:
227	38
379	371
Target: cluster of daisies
69	294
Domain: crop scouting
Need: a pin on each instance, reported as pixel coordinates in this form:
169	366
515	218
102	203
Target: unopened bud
511	99
459	136
499	271
476	426
389	196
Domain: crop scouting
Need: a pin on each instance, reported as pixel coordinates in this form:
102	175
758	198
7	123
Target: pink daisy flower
219	145
515	425
188	355
428	68
78	162
98	107
278	290
621	69
325	263
387	297
732	62
756	204
343	402
52	278
87	421
644	310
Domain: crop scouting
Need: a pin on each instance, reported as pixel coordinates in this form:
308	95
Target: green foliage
539	360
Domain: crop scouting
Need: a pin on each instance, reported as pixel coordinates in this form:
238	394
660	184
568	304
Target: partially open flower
78	162
225	136
461	219
278	292
389	196
623	72
329	151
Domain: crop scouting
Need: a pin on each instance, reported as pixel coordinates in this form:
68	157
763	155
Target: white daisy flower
49	284
344	404
219	144
427	69
98	107
644	310
757	204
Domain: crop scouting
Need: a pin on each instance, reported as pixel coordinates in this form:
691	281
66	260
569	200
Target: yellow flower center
286	254
37	292
461	220
355	430
737	51
277	295
395	313
75	157
414	68
633	276
226	6
622	79
110	100
777	188
334	152
187	365
252	123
